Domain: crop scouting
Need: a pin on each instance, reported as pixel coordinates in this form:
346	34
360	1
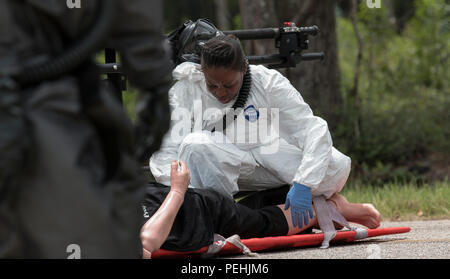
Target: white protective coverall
275	141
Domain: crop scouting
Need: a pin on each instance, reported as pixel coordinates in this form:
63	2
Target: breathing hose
244	91
71	59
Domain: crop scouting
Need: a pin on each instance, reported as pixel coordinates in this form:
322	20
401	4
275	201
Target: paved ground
426	240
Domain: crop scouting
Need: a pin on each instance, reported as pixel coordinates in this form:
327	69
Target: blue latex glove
300	200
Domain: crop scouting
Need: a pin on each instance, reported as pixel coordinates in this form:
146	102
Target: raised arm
157	228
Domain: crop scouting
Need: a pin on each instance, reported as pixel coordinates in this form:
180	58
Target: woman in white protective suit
271	139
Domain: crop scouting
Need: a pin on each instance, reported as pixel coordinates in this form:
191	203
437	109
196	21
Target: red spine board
279	242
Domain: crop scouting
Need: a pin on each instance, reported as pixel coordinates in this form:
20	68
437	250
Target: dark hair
223	51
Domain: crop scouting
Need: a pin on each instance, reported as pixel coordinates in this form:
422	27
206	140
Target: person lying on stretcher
185	219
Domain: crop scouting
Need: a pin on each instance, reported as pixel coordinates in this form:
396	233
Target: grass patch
404	202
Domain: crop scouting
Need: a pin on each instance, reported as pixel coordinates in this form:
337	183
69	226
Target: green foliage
403	96
403	201
129	102
237	22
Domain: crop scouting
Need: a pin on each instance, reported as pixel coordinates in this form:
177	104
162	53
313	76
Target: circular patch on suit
251	113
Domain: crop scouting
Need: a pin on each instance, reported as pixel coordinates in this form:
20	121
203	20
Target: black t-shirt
205	212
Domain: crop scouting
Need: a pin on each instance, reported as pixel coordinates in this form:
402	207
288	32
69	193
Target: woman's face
223	83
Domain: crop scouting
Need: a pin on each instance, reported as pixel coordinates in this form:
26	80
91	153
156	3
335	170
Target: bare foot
361	213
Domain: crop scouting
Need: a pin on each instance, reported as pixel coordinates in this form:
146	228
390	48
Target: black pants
205	212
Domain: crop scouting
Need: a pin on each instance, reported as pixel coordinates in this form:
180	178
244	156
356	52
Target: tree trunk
222	14
318	82
258	14
354	95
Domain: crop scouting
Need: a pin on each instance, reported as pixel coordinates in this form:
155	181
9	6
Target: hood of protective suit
188	71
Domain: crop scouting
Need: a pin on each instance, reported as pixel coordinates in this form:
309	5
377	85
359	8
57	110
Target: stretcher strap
219	243
326	214
215	247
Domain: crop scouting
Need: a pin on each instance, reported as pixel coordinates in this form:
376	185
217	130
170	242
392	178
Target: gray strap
236	241
361	233
219	243
215	247
326	214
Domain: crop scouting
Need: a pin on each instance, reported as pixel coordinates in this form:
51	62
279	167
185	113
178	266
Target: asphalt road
426	240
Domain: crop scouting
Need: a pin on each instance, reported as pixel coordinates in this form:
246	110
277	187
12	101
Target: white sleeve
180	126
301	128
